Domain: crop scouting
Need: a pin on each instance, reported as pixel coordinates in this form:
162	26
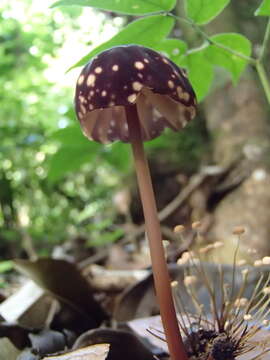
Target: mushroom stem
160	271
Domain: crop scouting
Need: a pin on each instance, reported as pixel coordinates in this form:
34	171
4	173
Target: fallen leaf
133	349
8	350
94	352
64	281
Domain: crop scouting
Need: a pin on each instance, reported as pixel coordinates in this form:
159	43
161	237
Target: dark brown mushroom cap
132	76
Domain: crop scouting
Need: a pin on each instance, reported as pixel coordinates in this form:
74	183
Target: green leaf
5	266
203	11
147	31
264	9
118	156
71	135
135	7
173	48
224	58
200	72
70	158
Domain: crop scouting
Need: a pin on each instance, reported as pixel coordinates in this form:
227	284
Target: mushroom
132	93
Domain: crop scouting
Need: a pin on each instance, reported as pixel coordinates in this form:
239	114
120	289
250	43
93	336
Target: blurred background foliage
54	183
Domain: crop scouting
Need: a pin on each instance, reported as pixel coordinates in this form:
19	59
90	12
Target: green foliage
148	31
54	183
264	9
228	60
6	266
200	71
230	51
139	7
203	11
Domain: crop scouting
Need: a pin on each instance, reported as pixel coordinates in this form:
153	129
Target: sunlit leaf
264	9
200	72
71	135
147	31
6	266
132	7
172	48
230	61
203	11
70	158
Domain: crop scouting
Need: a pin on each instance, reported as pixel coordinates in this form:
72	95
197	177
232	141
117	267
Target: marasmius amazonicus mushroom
132	93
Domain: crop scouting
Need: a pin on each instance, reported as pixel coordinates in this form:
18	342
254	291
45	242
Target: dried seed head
266	290
266	260
196	225
258	263
190	280
238	230
247	317
179	229
218	244
241	262
242	302
174	284
206	249
185	258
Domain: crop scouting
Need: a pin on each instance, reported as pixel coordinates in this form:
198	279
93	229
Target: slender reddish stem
160	271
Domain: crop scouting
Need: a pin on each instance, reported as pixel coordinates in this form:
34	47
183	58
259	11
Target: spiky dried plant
228	322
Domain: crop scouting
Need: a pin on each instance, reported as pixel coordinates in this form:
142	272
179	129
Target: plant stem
160	270
265	41
264	80
213	42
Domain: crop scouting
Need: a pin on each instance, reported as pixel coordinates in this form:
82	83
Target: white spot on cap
83	109
115	67
104	93
91	107
132	98
165	60
112	123
139	65
91	80
179	92
92	92
136	86
80	115
146	61
140	75
81	80
171	84
98	70
82	99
